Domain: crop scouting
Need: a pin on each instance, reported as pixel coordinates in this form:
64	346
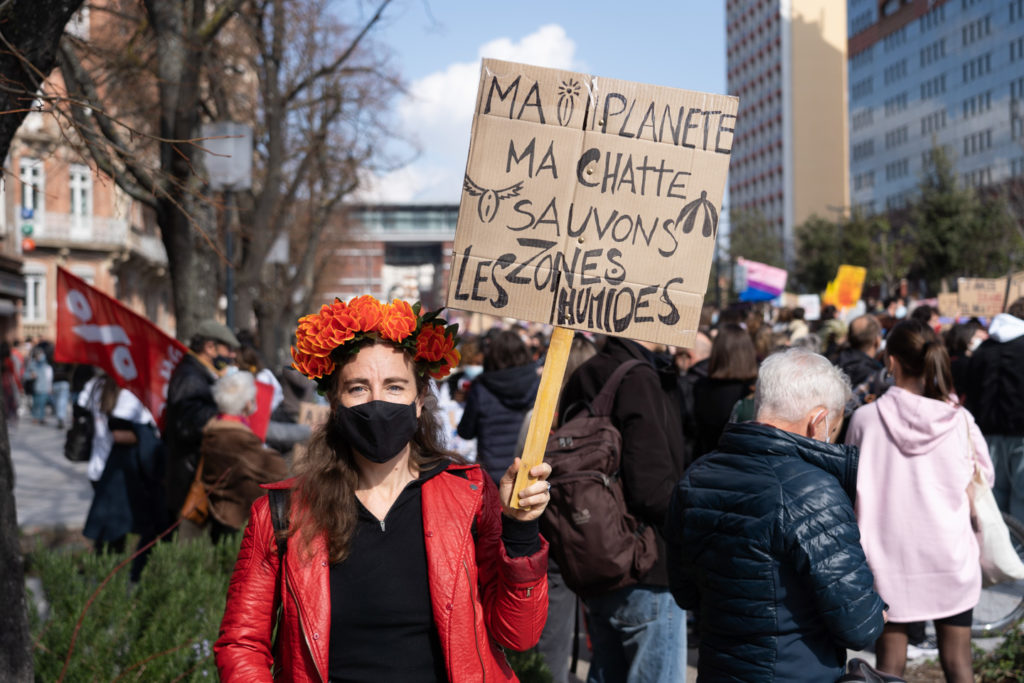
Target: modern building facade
392	250
786	61
933	72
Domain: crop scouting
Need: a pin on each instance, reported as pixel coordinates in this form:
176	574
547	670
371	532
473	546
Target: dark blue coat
497	402
764	541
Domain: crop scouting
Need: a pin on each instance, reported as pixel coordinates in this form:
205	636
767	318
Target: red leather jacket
482	599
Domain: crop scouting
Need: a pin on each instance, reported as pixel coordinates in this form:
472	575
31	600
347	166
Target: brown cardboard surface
949	304
1016	288
591	203
313	415
981	296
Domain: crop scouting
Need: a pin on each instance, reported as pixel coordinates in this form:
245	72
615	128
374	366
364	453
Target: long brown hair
921	353
327	474
733	355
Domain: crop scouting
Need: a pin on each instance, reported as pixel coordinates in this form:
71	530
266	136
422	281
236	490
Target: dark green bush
161	630
1005	664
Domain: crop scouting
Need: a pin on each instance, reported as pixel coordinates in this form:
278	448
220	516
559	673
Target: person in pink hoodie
918	452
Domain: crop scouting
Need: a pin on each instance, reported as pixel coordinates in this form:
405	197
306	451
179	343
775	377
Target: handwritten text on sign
591	203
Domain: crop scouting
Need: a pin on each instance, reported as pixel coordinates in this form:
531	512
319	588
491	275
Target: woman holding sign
401	563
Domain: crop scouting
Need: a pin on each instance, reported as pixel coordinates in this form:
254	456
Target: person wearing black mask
190	406
403	563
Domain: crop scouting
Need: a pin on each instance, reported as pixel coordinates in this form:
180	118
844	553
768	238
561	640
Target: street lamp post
229	165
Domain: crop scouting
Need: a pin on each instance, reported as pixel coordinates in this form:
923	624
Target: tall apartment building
933	72
786	61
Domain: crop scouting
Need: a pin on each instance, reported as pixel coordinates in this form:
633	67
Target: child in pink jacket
918	452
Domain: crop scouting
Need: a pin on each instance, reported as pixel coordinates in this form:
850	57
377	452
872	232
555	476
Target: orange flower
398	321
431	344
308	334
312	367
367	311
451	359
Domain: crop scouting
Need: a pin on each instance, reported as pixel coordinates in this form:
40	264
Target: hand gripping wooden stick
543	409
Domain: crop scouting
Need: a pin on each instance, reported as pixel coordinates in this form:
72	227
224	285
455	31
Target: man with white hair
763	539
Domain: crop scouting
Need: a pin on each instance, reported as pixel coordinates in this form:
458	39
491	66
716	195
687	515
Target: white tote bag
999	560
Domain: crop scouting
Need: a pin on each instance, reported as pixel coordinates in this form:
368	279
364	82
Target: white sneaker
926	649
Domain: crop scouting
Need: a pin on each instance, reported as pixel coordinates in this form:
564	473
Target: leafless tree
29	34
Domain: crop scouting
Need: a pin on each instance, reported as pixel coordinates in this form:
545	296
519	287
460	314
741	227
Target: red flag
96	329
260	420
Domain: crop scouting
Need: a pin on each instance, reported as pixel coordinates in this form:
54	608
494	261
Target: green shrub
1005	664
163	629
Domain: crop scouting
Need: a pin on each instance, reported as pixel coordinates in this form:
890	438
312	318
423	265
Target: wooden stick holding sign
588	204
543	408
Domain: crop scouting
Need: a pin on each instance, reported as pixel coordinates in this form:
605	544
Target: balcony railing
64	227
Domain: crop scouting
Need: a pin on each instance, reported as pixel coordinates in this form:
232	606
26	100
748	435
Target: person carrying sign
402	563
628	644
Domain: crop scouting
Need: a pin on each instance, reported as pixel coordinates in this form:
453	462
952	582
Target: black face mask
377	430
221	362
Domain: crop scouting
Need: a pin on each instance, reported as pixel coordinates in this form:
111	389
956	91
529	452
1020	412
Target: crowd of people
807	482
32	383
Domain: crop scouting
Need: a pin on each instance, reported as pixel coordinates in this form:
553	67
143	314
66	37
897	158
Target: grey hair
232	392
792	383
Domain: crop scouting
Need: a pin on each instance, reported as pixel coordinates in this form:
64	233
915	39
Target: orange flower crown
429	338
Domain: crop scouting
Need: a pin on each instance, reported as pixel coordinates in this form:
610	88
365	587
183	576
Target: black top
713	401
382	623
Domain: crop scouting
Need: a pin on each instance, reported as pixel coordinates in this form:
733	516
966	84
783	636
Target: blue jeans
1007	454
61	394
639	636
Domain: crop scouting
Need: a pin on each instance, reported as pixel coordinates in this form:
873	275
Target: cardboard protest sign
1016	288
591	203
313	415
845	290
949	304
981	296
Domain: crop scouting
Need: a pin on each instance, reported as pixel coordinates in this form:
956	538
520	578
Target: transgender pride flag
764	282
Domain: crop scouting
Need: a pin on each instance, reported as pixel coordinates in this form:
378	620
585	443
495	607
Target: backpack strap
605	399
279	499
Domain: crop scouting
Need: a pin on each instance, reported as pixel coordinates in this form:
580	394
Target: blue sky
438	45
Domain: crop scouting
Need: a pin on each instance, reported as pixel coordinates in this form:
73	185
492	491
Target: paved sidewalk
49	491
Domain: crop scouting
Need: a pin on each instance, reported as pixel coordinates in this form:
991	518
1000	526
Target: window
1016	10
861	22
982	176
933	122
863	119
895	72
863	150
1017	49
933	87
977	142
897	169
863	181
1017	88
978	104
976	30
896	137
977	67
30	172
896	104
862	88
862	59
933	18
81	190
35	293
895	39
933	52
890	8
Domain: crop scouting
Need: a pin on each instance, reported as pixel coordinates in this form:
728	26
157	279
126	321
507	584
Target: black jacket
647	412
495	406
995	387
763	540
858	366
714	400
190	406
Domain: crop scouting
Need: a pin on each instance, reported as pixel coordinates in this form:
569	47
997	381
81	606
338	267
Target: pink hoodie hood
916	423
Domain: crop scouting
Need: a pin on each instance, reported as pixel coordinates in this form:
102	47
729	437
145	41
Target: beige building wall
818	131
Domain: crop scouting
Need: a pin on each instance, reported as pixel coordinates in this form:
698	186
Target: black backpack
598	545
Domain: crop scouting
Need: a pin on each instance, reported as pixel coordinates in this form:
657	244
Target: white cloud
438	111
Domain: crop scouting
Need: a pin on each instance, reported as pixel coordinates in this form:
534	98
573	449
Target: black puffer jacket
497	402
764	541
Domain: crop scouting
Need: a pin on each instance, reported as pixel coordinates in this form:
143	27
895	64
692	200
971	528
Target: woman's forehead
378	361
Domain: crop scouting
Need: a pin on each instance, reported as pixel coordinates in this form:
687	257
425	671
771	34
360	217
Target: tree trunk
31	31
